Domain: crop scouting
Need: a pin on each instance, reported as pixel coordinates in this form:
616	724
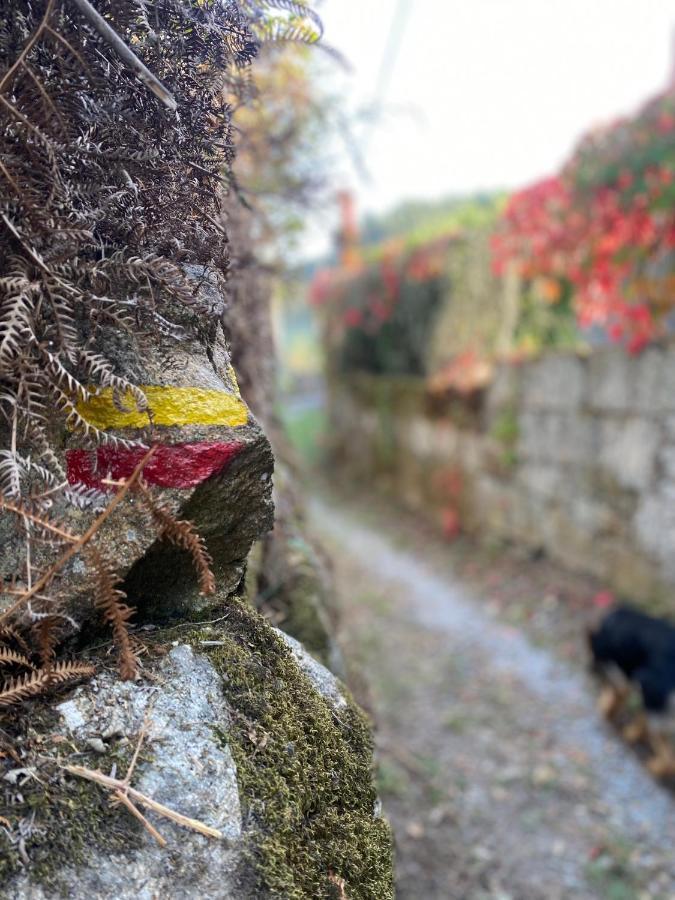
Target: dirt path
499	778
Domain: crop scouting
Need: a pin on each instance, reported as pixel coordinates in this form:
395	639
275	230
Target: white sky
497	91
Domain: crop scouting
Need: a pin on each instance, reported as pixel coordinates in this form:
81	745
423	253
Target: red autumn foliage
605	226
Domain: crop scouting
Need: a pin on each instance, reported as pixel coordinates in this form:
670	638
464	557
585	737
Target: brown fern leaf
46	639
35	683
45	451
9	635
183	534
109	600
9	657
10	473
77	423
57	372
41	520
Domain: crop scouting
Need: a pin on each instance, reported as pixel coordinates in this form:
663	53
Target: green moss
65	819
305	772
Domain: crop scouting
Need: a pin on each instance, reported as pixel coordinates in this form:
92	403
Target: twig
15	186
209	218
139	742
48	576
121	797
141	71
43	93
196	624
116	785
33	254
69	47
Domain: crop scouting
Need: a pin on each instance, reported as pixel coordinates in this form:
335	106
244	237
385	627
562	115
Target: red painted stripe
172	466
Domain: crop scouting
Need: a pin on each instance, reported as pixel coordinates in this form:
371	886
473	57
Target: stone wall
568	454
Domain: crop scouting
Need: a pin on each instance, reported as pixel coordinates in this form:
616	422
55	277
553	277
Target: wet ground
499	777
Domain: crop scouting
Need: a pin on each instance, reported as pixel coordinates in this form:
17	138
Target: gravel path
499	777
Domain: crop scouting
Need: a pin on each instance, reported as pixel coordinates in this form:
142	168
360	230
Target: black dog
630	648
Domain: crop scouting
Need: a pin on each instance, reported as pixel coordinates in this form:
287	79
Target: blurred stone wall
571	455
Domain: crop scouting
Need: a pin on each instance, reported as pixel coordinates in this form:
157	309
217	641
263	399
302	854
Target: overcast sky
493	93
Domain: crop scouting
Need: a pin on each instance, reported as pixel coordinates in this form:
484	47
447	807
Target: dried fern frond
37	435
16	313
57	373
101	371
16	469
183	534
9	635
78	424
110	601
299	16
106	197
46	636
85	498
9	657
31	685
11	471
41	520
282	30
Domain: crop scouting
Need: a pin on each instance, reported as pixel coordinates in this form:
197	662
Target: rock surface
200	749
231	509
188	770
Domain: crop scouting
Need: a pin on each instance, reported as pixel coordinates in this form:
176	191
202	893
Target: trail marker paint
172	466
169	405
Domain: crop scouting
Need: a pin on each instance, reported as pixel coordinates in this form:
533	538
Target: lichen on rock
181	766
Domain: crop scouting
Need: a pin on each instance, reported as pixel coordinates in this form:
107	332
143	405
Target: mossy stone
305	771
62	819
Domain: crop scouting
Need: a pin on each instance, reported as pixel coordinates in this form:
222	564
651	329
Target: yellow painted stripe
169	405
232	375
